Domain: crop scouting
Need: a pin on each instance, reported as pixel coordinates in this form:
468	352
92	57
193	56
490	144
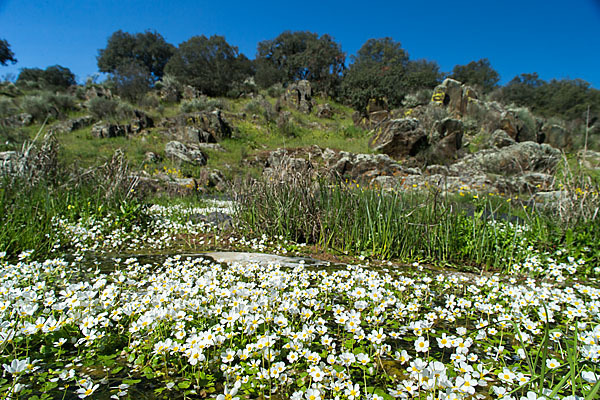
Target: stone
12	162
556	136
501	139
76	124
324	111
515	124
140	122
151	157
283	119
510	160
179	151
446	140
211	178
399	138
299	96
97	91
22	119
104	130
211	146
454	96
200	127
363	167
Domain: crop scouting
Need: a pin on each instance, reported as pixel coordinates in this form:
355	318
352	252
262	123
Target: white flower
16	366
313	394
422	345
229	393
506	375
86	389
552	363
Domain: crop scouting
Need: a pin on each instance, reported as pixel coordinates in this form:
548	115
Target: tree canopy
6	54
209	64
477	73
381	69
293	56
149	50
568	98
53	77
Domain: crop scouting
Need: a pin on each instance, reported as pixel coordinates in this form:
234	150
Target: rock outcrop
454	96
185	153
298	95
399	138
201	127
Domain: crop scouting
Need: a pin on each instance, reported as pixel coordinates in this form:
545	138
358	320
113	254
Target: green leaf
184	384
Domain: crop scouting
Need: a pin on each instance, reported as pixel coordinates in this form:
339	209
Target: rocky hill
183	142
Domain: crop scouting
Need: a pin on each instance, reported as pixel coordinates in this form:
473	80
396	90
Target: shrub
7	108
102	107
275	90
202	103
39	108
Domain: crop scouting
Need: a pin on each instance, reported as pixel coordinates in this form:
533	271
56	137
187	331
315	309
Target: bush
276	90
7	108
39	108
101	107
150	101
203	103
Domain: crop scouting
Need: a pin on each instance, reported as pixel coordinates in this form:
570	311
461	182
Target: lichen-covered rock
75	124
454	96
399	138
299	96
185	153
501	139
556	136
103	130
203	127
514	159
324	111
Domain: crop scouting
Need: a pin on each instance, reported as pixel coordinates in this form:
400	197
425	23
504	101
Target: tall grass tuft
405	226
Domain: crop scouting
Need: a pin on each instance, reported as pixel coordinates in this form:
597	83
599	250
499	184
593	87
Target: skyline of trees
381	68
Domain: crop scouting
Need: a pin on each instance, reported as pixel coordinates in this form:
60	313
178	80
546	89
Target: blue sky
557	39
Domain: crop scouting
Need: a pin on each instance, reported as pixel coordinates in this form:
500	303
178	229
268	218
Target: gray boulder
299	96
179	151
103	130
324	111
446	139
454	96
140	122
514	159
76	124
201	127
501	139
399	138
556	136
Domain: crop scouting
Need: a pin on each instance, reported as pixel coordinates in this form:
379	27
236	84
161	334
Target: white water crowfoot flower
229	393
86	389
552	363
533	396
16	366
422	345
313	394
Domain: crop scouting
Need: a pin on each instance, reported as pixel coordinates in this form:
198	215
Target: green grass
27	212
408	226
